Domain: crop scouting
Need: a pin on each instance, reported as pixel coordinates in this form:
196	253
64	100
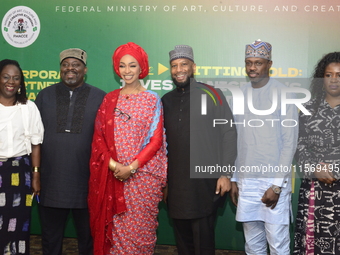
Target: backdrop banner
34	32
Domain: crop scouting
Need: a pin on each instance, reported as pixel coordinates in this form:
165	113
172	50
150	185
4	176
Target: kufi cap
259	49
135	51
182	51
74	53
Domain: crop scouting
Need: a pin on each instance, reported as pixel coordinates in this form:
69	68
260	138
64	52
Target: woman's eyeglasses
124	116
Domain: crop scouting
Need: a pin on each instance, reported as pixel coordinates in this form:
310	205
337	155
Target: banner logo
20	26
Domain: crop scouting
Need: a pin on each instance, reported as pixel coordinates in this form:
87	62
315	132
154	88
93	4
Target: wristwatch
276	189
132	169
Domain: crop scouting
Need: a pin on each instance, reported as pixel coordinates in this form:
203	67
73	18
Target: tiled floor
70	248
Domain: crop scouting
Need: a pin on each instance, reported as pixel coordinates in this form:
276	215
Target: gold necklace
127	95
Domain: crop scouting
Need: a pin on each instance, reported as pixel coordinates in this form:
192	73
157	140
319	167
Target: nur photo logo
213	95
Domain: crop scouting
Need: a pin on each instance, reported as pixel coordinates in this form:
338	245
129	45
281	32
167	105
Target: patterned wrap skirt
15	205
134	231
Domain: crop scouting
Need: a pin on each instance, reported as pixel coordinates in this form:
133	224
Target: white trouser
258	233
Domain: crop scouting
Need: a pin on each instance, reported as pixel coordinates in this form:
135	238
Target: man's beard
183	84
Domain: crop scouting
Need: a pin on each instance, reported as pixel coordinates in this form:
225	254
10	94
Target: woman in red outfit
128	162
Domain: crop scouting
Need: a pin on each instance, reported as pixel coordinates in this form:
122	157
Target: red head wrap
135	51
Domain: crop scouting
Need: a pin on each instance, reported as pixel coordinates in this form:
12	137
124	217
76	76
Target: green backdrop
300	31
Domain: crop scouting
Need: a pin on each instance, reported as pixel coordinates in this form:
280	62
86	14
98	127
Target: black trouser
195	236
53	221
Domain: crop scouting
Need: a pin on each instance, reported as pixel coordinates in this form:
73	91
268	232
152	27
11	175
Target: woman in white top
21	133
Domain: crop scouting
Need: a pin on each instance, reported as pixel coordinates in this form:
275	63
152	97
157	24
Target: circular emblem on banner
20	26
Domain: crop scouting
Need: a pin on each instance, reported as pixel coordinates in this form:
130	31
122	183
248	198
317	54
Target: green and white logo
20	26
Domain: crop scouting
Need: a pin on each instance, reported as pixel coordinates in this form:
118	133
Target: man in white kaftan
266	144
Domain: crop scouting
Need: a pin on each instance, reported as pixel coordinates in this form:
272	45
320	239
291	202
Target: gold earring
19	91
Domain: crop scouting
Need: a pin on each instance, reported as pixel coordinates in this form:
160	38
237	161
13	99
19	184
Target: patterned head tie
182	51
135	51
259	49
